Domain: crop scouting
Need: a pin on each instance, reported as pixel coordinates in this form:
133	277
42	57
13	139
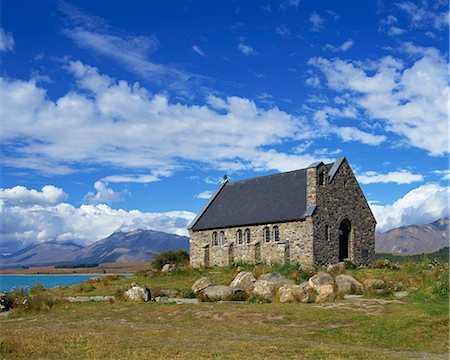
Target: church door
230	254
257	252
344	234
206	256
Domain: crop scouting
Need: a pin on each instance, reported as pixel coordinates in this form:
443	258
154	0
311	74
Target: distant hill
414	239
133	246
442	255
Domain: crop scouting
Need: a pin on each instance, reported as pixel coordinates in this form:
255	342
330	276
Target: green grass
371	328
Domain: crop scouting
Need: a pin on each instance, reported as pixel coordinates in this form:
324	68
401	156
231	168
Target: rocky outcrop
296	293
323	284
201	284
221	292
347	284
245	281
167	268
138	293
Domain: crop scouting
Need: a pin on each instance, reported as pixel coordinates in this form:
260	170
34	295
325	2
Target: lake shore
105	268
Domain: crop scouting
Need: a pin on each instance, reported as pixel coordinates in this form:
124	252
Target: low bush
385	264
178	257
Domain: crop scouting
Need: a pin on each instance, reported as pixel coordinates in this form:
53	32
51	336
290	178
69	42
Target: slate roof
262	200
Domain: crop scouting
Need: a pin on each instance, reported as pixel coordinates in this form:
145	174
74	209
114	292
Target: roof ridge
265	176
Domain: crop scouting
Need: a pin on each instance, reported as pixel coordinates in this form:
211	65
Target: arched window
247	236
266	234
214	239
276	233
321	178
239	237
221	238
327	232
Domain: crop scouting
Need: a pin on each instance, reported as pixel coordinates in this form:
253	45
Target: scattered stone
171	293
304	293
276	278
73	299
401	294
201	284
338	267
138	293
167	268
245	281
265	289
220	292
322	283
347	284
163	299
373	284
5	302
286	294
351	296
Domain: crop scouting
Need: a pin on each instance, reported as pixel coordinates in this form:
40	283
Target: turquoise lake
8	282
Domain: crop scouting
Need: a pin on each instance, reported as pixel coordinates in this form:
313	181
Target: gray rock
264	288
296	293
89	298
401	294
201	284
322	283
347	284
350	297
220	292
163	299
138	293
167	268
373	284
338	267
276	278
245	281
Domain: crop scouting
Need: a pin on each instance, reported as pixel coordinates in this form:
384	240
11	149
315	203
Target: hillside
414	239
133	246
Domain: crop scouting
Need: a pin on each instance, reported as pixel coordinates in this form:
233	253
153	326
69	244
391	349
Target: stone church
317	215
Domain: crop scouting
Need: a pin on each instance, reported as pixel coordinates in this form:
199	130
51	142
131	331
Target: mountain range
133	246
142	245
414	239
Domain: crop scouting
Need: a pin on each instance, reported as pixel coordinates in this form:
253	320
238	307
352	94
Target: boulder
245	281
201	284
6	302
373	284
338	267
220	292
167	268
138	293
265	289
347	284
322	283
286	294
401	294
296	293
278	279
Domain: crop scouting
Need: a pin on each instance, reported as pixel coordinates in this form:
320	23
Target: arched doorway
344	234
230	254
206	256
257	252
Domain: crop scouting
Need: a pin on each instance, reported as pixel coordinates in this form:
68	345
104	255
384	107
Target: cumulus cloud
6	40
411	100
122	125
422	205
398	177
32	216
103	194
204	194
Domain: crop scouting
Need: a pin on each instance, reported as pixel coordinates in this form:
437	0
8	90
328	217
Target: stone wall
342	199
295	245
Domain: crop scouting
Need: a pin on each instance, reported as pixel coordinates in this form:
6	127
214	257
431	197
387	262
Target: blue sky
126	114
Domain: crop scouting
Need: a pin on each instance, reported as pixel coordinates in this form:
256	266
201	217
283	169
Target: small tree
178	257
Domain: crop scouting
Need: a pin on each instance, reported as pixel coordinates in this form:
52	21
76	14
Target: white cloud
204	194
422	205
21	196
316	21
27	222
123	125
387	25
411	101
247	50
343	47
424	16
445	174
131	178
102	194
6	40
197	49
132	52
398	177
394	31
283	31
313	81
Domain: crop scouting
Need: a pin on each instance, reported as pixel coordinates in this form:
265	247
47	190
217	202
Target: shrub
37	289
178	257
187	293
350	265
385	264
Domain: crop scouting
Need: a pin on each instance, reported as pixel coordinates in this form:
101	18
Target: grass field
415	327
